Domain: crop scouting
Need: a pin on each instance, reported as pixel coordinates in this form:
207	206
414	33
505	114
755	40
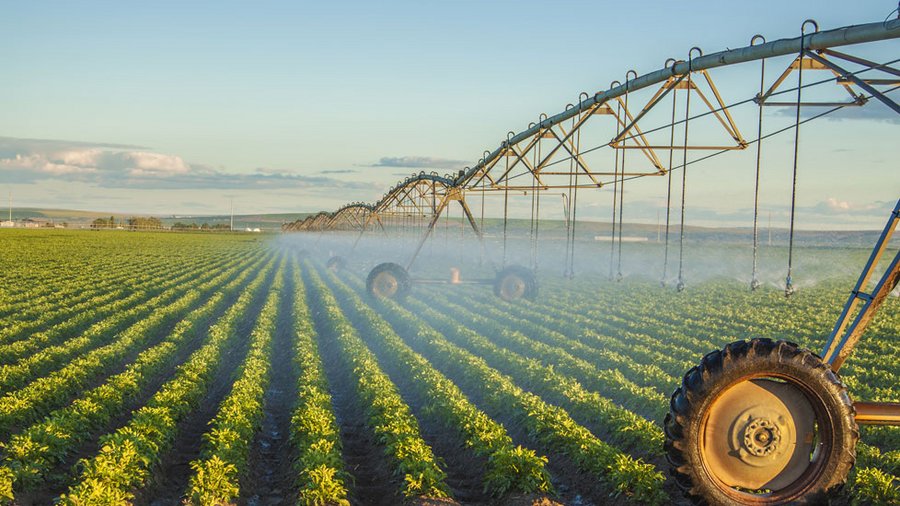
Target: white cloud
115	166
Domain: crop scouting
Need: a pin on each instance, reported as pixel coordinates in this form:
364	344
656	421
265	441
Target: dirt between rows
372	482
465	471
271	480
170	478
572	485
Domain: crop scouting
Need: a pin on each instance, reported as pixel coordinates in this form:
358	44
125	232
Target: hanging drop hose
788	282
505	208
687	116
537	228
612	237
665	273
574	210
754	280
568	272
622	183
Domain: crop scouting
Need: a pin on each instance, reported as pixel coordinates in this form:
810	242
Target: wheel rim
385	284
760	437
512	287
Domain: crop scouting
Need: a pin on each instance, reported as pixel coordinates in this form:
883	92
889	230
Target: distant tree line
204	226
133	223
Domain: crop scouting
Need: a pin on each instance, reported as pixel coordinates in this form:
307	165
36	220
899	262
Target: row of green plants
545	423
129	312
509	468
70	283
609	353
21	407
315	434
386	413
226	445
586	395
608	381
877	474
128	455
642	349
97	310
49	281
76	297
30	456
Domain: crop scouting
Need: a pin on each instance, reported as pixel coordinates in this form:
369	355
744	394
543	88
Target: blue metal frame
835	354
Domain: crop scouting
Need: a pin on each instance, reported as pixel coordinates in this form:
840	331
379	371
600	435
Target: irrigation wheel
388	280
336	263
515	282
761	422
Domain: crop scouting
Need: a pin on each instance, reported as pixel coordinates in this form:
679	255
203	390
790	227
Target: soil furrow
171	478
271	478
364	458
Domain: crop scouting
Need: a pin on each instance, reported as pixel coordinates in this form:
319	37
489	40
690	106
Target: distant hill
549	229
78	218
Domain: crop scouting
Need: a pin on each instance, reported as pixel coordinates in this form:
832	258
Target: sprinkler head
788	290
618	277
662	283
754	285
680	286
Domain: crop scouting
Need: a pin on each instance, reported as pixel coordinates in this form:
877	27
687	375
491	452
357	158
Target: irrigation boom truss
759	422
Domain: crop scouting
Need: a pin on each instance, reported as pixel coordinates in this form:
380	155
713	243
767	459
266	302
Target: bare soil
272	478
370	469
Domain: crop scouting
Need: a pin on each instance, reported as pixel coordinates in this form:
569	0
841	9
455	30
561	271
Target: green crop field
231	369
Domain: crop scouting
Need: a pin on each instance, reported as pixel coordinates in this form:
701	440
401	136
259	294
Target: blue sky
174	107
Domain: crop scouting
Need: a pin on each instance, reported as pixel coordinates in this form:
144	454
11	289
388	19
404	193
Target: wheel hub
759	435
385	284
512	287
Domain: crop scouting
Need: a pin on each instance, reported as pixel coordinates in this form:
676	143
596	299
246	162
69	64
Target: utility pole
231	226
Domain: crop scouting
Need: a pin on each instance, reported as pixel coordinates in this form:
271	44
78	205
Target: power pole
231	226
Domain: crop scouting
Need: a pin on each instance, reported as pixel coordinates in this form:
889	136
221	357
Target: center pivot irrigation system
760	421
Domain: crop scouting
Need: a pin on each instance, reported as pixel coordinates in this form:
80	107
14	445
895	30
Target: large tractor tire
761	422
336	263
515	282
388	280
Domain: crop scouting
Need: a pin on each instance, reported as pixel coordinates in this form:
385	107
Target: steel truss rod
855	34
